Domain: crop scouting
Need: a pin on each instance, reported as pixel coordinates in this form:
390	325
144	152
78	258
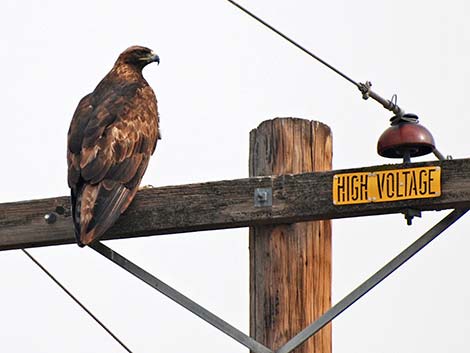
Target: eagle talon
145	187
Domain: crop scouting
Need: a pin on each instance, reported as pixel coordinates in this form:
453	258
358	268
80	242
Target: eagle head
138	57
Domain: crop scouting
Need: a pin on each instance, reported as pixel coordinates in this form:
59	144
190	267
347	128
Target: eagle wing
110	141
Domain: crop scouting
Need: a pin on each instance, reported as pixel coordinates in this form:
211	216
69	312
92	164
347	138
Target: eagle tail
76	201
97	208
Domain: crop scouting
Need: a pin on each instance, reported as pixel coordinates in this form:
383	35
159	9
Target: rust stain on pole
290	265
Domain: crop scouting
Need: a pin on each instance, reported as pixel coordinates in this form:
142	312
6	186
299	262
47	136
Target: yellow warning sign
386	185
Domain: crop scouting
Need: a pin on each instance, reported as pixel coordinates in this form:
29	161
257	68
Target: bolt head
50	217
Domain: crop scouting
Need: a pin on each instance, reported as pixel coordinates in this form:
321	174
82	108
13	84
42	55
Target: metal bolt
410	214
50	217
263	197
60	210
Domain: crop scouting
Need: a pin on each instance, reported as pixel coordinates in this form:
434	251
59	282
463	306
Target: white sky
221	74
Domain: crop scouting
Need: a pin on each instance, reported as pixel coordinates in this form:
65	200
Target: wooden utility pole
290	265
290	262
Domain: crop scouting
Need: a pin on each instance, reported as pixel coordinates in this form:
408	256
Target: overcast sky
221	74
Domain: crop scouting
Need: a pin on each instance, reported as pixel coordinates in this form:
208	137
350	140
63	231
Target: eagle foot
144	187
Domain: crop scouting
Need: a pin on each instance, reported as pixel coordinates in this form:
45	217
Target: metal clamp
387	104
263	197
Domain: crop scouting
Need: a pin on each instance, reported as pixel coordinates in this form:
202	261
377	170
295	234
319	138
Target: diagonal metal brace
370	283
179	298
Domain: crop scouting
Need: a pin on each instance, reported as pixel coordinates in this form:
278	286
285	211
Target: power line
363	87
76	300
295	43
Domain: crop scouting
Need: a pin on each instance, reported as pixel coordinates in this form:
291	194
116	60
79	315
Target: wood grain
290	264
224	204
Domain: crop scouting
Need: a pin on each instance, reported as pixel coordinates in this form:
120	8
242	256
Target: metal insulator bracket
387	104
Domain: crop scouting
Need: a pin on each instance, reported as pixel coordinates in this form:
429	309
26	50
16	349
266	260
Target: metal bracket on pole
310	330
370	283
179	298
263	197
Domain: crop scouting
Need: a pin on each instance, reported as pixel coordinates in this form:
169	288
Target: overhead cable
76	300
363	87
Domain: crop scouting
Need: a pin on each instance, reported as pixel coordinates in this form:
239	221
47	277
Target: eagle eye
143	52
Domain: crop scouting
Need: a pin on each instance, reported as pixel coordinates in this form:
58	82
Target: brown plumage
113	133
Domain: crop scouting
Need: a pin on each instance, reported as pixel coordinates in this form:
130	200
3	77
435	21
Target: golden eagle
113	133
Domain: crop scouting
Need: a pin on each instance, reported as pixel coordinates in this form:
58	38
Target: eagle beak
154	58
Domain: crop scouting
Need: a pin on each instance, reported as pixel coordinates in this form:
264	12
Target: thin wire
295	43
76	300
